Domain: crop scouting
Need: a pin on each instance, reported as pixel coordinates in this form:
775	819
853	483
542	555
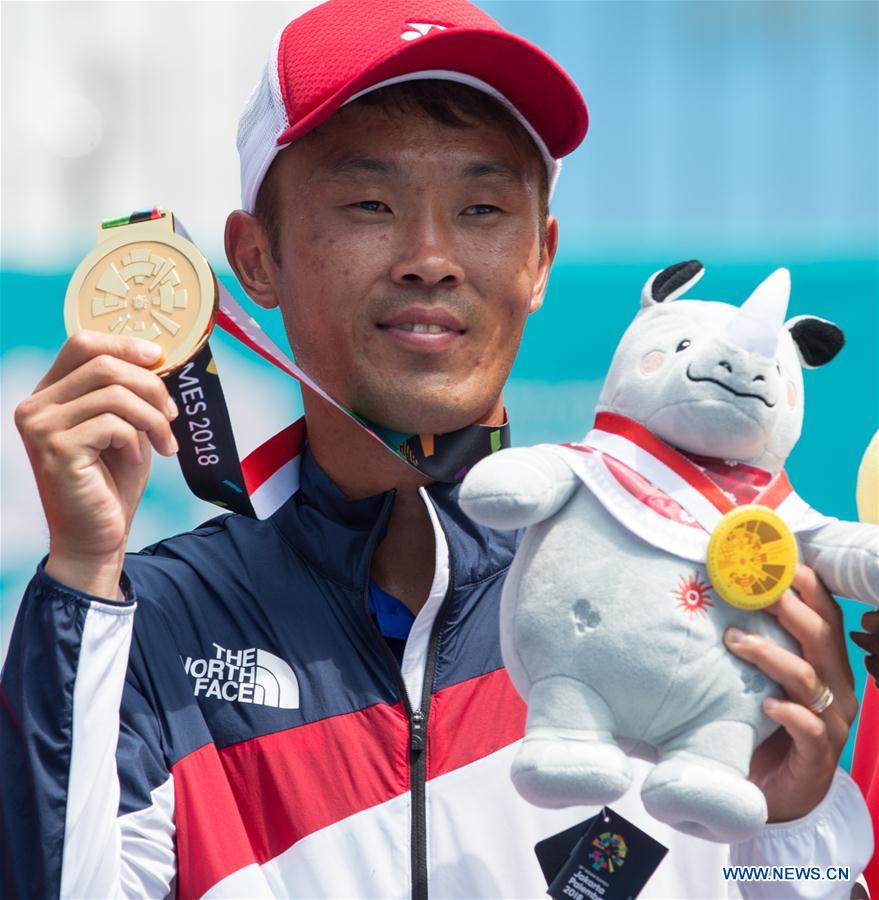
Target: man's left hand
795	765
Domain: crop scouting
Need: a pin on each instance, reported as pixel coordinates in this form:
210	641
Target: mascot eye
682	346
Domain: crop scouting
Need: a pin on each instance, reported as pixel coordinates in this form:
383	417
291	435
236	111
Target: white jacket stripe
149	859
92	841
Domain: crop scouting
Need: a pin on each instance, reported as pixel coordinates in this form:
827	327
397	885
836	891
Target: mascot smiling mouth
726	387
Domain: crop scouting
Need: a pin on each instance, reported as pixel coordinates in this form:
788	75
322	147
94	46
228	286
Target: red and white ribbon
630	443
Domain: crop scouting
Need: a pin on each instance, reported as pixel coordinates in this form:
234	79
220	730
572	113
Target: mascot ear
817	340
670	283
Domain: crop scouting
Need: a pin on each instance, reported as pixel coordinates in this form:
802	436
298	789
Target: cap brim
530	79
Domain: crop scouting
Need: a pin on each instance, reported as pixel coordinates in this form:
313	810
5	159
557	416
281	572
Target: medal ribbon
260	483
636	447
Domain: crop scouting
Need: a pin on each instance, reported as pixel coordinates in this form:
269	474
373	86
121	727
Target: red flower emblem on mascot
692	596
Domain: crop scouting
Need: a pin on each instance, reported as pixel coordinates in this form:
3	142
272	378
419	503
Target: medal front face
752	557
149	285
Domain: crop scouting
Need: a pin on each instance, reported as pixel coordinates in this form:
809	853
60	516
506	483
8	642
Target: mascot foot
561	770
709	801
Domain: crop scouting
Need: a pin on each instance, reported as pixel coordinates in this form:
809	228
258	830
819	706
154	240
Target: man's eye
372	206
481	209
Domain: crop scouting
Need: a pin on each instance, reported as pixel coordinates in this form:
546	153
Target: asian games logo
609	852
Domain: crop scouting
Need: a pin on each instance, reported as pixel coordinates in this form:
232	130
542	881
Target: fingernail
735	636
771	703
171	409
174	445
151	350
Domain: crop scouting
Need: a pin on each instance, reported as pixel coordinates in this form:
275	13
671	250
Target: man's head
404	233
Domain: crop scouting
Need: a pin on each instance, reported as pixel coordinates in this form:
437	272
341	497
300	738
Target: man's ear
550	245
249	253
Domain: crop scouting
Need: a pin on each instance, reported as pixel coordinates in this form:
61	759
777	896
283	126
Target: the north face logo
419	29
246	676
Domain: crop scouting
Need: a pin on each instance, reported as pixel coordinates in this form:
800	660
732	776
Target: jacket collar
337	535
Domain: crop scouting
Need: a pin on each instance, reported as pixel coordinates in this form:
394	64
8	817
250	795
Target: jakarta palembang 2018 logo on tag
609	852
244	676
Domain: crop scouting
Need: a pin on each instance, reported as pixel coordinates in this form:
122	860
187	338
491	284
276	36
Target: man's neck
404	562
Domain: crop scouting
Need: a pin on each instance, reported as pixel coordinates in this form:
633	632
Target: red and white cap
342	49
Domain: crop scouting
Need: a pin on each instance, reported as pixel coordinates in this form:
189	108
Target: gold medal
145	280
752	557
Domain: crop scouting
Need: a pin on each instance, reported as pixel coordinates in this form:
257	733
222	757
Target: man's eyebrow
352	165
485	167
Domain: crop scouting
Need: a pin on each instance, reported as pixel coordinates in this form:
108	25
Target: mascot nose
757	324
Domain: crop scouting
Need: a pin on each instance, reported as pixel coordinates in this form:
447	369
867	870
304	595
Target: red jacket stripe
266	793
212	839
485	708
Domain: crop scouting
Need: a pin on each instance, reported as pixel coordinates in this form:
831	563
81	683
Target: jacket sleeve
837	833
87	807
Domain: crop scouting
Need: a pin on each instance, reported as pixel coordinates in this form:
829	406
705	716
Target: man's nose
428	259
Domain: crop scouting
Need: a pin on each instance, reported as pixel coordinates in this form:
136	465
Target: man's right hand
87	428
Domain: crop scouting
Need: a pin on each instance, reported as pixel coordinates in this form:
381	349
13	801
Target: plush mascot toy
671	521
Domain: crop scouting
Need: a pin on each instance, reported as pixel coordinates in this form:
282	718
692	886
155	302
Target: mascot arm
845	556
517	487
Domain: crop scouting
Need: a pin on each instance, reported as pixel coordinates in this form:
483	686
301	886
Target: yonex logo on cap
419	29
244	676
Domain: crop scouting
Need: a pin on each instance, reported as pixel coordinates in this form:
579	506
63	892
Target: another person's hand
87	428
868	640
794	767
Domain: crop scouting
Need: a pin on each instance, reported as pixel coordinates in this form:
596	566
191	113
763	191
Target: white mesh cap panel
262	121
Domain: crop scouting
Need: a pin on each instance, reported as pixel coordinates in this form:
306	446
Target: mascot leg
700	784
569	755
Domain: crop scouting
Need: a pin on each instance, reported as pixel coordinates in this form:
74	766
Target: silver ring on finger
823	702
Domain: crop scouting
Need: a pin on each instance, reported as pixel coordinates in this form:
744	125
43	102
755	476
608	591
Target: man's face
409	259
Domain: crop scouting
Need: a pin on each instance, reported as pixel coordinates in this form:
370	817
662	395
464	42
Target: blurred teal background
743	134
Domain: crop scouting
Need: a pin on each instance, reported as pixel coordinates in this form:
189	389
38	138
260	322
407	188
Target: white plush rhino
611	629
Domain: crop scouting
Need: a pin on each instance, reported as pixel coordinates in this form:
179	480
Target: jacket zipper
417	719
418	744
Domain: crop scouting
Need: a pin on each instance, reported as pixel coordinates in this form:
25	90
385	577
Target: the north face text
244	676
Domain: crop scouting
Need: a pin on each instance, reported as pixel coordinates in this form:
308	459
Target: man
395	211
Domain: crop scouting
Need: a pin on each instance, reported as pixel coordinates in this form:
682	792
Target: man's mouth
423	319
423	328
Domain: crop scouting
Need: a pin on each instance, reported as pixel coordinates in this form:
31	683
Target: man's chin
425	415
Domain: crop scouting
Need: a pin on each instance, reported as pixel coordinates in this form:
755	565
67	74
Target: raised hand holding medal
88	428
141	303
